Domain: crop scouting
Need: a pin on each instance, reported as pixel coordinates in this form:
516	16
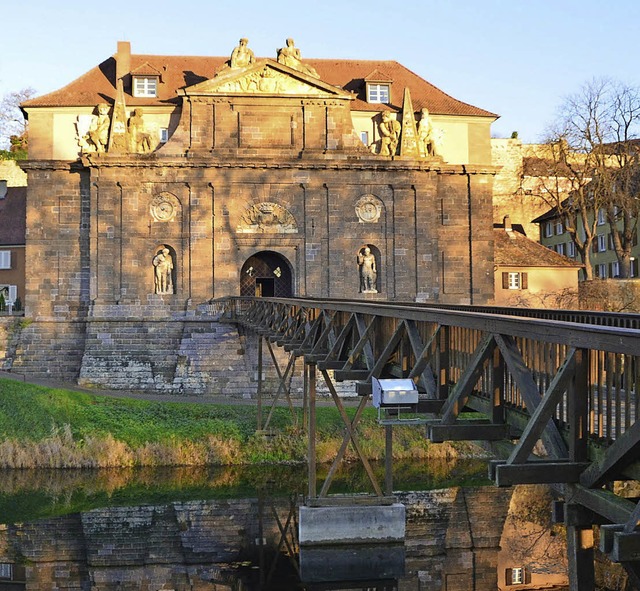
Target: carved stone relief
164	207
368	209
267	81
267	218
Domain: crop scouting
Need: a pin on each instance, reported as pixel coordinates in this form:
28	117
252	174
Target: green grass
44	427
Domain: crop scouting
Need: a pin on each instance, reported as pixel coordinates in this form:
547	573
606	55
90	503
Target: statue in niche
426	136
241	55
96	137
290	56
390	134
138	135
368	270
163	272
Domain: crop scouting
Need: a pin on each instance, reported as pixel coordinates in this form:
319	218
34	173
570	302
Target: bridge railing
509	358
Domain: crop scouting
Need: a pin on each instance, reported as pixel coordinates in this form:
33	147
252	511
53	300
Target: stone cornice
197	162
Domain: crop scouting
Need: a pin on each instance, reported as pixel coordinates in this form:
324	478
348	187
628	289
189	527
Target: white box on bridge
393	392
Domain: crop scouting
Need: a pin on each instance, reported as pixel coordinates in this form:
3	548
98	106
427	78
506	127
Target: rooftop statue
390	134
241	55
290	56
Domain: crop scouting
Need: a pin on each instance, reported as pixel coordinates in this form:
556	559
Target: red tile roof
98	84
520	251
13	217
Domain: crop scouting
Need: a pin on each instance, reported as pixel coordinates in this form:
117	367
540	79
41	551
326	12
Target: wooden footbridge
555	392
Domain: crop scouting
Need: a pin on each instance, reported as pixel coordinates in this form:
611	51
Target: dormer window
145	86
378	87
378	93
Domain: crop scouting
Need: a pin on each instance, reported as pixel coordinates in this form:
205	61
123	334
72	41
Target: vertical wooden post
580	554
305	397
388	460
259	427
311	459
498	379
443	363
578	408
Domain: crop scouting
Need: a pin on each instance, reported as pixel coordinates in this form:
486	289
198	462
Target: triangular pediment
266	77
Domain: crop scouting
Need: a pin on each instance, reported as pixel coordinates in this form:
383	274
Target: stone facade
261	188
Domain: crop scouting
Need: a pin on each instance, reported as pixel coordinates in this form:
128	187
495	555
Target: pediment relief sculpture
368	209
267	218
262	80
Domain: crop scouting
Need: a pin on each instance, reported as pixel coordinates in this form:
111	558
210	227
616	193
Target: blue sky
515	58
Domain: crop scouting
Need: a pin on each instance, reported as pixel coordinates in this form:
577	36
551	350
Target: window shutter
508	577
526	576
524	281
505	281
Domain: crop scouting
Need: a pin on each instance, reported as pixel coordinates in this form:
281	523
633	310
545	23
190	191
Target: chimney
507	223
123	60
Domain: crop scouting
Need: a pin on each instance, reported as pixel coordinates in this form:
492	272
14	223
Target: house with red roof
159	183
530	275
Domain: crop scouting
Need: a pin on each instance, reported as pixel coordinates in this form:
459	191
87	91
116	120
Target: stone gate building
159	183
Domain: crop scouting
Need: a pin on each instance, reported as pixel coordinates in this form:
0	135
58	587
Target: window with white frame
364	137
5	259
6	570
378	93
571	249
633	267
514	280
164	135
145	86
602	217
602	242
601	271
517	577
560	248
548	229
559	228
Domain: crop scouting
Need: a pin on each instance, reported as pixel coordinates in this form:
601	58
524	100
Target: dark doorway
265	287
266	274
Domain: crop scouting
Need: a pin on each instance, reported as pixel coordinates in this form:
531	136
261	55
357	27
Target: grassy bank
50	428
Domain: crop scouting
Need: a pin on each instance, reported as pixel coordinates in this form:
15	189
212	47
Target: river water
236	529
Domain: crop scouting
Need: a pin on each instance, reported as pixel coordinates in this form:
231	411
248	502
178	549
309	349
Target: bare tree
12	122
593	166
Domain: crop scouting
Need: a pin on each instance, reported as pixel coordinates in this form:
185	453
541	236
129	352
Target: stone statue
97	137
426	135
140	138
163	264
390	134
368	271
241	56
290	56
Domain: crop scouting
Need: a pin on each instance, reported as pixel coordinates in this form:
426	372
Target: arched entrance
266	274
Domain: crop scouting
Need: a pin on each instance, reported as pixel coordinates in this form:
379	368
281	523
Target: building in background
13	195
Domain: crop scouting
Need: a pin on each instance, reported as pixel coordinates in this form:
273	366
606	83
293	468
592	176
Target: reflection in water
247	540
